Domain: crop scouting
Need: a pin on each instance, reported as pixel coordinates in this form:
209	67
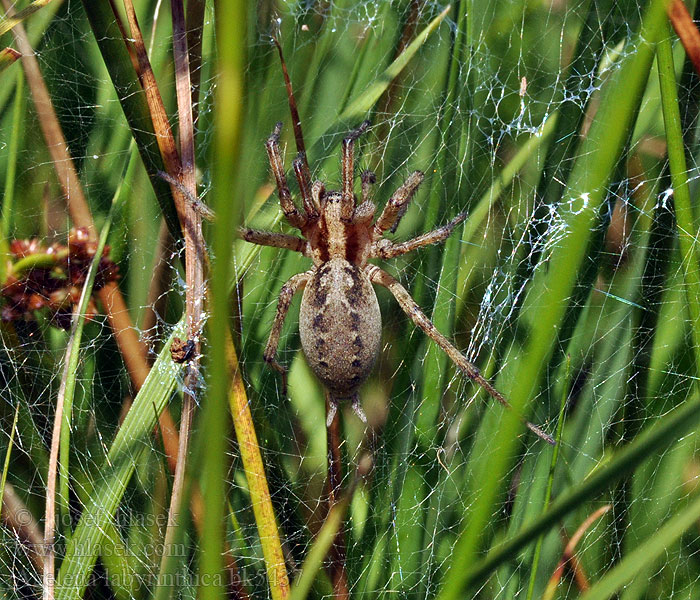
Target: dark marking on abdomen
319	323
320	297
354	320
354	294
341	338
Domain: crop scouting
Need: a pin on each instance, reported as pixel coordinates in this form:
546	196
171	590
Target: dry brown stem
686	29
337	554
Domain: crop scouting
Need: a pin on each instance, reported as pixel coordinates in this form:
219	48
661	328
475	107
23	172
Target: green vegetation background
550	123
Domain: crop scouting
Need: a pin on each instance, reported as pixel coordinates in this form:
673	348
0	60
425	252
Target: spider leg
368	178
317	191
384	248
399	216
301	170
295	218
364	213
276	240
347	207
394	209
409	306
293	285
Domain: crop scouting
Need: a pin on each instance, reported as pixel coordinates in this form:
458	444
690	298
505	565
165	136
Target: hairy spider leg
293	216
317	190
368	179
276	240
364	213
385	248
393	210
347	208
296	121
409	306
293	285
301	169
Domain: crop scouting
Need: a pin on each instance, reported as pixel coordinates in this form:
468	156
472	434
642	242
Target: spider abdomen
340	326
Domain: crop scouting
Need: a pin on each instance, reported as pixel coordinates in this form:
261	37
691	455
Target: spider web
522	90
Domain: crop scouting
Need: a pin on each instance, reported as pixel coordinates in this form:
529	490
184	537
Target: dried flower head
52	278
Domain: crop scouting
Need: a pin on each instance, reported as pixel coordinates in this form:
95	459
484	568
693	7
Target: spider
339	320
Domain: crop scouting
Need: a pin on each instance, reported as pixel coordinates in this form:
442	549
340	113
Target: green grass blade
18	111
230	30
358	108
681	194
655	497
8	56
123	578
585	193
131	441
505	177
550	479
6	466
319	550
645	554
133	102
36	28
7	23
435	365
70	374
662	435
479	213
414	472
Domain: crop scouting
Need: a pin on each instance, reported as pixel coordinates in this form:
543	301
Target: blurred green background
567	286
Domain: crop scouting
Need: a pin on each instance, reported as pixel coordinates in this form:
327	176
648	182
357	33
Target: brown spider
339	322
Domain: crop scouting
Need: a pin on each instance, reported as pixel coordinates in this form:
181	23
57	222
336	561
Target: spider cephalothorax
339	321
